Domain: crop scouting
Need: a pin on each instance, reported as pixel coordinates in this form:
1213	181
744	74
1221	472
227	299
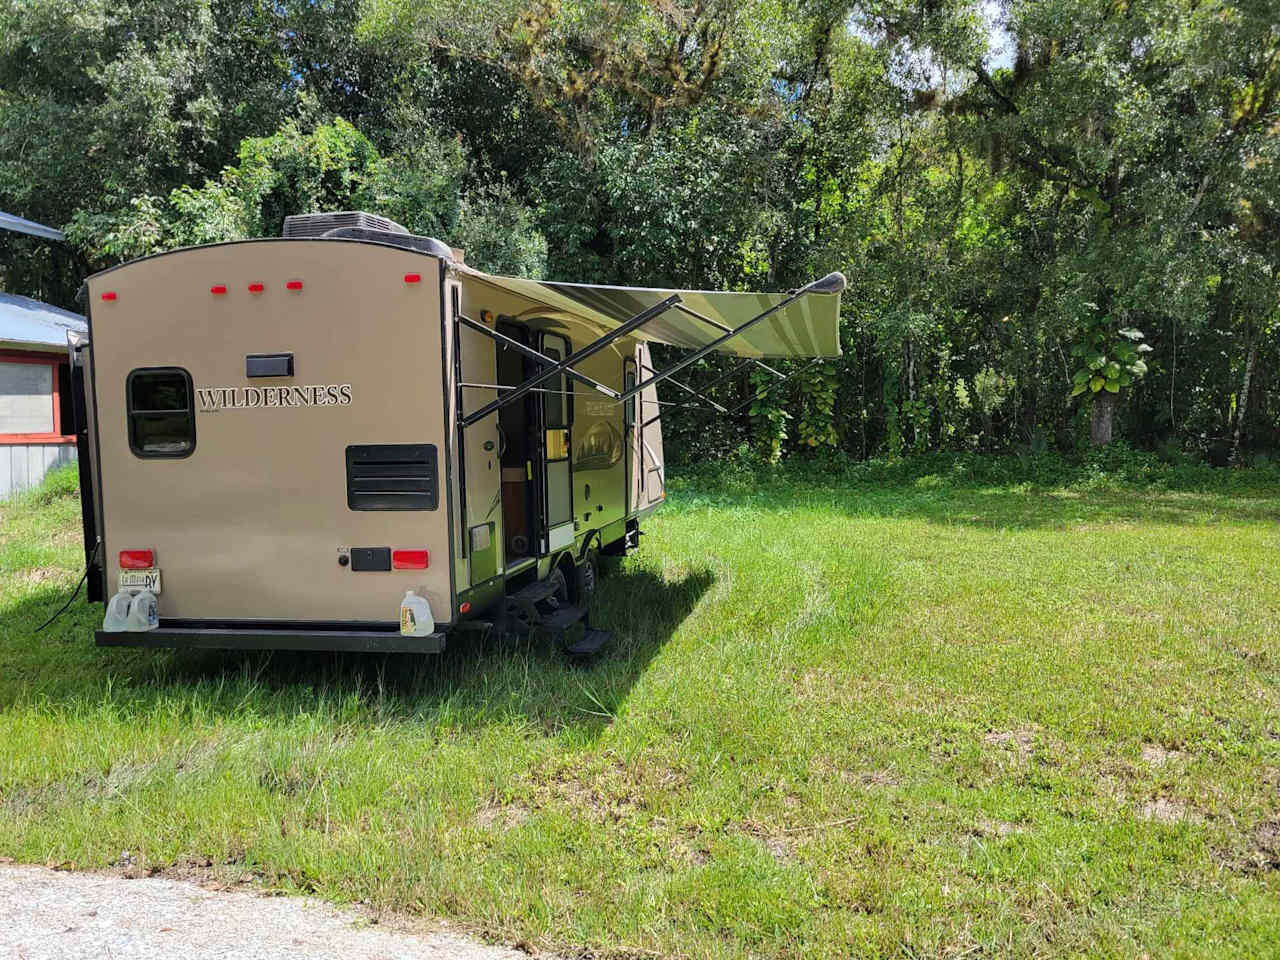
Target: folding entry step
540	606
593	639
536	592
563	618
532	605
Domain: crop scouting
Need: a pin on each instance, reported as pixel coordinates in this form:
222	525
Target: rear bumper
315	637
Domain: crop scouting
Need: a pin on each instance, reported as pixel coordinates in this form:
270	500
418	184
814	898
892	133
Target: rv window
162	421
559	390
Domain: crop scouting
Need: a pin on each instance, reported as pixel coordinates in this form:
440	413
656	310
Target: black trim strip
451	432
218	638
98	495
84	469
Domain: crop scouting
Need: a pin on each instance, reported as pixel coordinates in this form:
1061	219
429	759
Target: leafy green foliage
1005	220
333	167
1110	360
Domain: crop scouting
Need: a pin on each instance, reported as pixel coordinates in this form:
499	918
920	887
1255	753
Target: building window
35	399
162	420
26	398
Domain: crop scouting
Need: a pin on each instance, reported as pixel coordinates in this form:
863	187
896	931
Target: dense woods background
1059	218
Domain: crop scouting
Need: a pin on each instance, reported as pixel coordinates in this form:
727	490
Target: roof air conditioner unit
304	225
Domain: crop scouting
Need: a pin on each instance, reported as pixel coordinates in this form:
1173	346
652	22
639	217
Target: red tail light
137	559
109	295
413	278
409	559
257	287
218	289
293	285
464	606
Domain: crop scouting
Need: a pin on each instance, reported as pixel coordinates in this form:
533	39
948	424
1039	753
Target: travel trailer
347	439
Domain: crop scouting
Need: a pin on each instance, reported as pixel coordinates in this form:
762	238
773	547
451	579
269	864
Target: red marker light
218	289
109	295
409	559
464	606
257	287
137	559
293	285
413	278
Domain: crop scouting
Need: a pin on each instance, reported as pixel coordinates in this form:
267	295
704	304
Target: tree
331	167
1147	119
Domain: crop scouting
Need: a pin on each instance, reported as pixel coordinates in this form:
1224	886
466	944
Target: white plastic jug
117	617
142	612
415	616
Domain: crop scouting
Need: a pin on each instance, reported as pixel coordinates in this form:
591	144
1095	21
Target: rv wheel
586	575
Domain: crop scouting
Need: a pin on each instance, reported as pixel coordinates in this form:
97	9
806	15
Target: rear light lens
413	278
293	285
464	606
257	287
409	559
137	559
218	289
109	295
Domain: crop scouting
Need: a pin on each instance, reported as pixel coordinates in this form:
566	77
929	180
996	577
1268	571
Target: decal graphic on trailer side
214	399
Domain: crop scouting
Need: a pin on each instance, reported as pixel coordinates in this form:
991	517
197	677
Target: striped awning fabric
809	327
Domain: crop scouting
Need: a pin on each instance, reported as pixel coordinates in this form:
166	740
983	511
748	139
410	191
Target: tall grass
895	710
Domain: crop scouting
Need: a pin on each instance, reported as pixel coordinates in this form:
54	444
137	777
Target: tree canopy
1059	217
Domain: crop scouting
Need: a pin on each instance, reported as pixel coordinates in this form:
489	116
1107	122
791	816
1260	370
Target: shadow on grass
481	679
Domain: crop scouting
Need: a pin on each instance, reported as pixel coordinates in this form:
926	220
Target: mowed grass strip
914	721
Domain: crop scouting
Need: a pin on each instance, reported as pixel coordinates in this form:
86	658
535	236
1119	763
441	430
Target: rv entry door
557	427
647	478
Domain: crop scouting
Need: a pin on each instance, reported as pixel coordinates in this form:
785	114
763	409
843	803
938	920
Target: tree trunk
1242	408
1100	426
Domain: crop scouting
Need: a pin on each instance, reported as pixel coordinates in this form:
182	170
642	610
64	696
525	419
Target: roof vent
318	224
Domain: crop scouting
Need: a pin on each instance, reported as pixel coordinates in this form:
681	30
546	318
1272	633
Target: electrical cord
83	577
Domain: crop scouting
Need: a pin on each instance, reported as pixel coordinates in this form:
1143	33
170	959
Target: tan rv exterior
274	425
250	526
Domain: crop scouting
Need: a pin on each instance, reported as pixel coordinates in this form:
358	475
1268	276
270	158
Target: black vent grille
393	476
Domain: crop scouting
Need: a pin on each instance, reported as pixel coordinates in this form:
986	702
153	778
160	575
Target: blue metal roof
27	321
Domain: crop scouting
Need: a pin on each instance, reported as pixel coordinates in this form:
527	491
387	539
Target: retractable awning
800	323
806	327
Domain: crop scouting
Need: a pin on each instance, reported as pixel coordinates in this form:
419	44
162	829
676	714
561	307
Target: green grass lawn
932	719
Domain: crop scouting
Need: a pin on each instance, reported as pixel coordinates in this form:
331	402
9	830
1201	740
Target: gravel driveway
48	915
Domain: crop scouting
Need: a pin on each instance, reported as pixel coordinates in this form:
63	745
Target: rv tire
586	577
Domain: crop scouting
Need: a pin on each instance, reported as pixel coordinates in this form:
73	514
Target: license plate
148	579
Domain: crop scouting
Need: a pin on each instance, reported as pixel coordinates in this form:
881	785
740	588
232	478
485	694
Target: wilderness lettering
213	399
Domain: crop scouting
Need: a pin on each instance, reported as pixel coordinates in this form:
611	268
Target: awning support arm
566	365
715	407
782	377
721	327
505	341
732	410
733	372
831	283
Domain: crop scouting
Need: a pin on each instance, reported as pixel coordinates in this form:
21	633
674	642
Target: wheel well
565	564
586	544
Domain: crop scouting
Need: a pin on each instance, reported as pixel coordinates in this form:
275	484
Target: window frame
130	413
566	390
58	435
